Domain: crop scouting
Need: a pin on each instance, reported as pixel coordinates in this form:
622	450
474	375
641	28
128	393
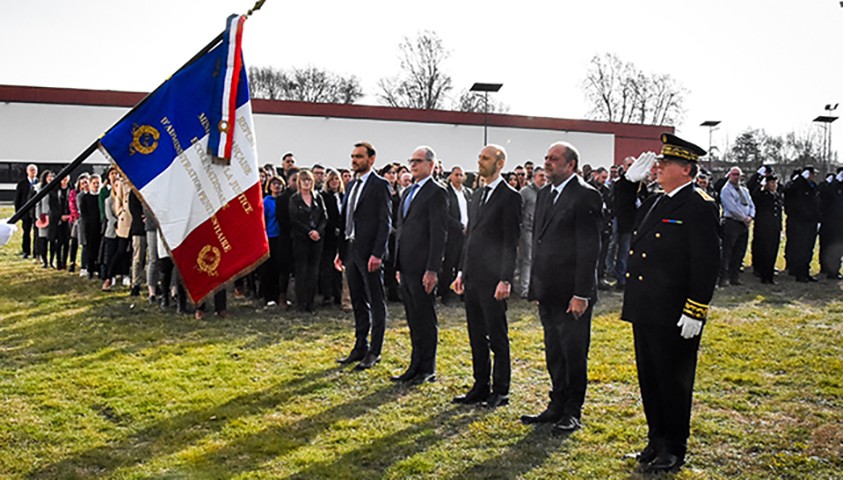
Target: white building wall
58	133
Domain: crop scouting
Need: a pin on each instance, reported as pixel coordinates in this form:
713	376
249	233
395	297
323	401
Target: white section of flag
173	196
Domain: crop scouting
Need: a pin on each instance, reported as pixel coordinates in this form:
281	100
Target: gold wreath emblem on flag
144	139
208	260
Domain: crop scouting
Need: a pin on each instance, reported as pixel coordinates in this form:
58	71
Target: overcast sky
749	63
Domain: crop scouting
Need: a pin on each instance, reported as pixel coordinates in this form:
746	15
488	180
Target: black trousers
220	302
330	280
271	271
367	300
420	308
26	241
488	330
735	239
307	254
667	365
831	248
801	238
765	249
566	343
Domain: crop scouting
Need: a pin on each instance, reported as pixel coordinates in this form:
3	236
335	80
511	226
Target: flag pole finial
257	7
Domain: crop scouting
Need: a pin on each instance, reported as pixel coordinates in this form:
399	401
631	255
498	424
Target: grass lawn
96	385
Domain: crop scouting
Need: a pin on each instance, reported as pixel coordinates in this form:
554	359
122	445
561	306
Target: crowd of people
655	227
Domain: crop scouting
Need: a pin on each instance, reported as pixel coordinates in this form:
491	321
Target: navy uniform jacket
674	259
566	244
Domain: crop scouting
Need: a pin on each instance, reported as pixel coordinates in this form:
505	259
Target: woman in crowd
270	270
286	264
90	226
390	173
59	229
330	278
117	232
512	180
308	220
42	216
73	201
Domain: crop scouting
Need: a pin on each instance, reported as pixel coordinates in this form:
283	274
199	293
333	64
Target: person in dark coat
486	275
803	217
329	278
831	228
89	212
286	260
458	197
673	268
308	219
25	190
767	229
566	247
420	244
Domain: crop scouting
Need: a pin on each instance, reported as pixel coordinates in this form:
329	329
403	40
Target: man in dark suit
23	192
458	198
803	215
420	244
673	265
566	244
367	219
488	267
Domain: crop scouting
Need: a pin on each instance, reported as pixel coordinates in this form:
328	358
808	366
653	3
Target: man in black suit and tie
420	245
366	218
488	266
458	198
673	266
566	245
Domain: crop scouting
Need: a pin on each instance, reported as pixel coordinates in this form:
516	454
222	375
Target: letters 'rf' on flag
210	216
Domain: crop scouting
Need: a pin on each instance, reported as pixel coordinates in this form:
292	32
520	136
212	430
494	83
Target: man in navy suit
488	266
366	219
566	245
420	245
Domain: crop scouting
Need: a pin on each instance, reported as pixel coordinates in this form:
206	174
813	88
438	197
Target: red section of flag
227	245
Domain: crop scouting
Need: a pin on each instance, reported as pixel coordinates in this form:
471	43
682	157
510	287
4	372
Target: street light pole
486	88
710	124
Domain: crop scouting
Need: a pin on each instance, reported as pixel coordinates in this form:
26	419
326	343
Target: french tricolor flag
210	213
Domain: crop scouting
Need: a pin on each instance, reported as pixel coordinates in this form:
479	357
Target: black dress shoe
496	400
421	378
404	377
664	462
368	362
566	424
354	356
547	416
473	397
735	282
647	455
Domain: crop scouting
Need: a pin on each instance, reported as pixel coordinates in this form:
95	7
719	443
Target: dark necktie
485	195
349	209
410	198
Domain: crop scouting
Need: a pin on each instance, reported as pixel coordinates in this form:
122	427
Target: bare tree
308	84
422	82
475	102
619	92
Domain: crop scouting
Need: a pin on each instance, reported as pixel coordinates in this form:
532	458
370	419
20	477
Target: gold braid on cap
695	309
674	151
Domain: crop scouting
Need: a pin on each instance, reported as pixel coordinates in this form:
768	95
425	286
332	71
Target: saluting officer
673	265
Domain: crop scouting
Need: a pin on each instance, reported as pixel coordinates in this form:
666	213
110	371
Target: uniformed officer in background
673	265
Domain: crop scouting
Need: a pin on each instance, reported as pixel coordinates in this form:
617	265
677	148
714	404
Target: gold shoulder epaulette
704	195
695	309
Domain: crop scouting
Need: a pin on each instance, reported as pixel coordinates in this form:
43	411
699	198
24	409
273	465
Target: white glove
691	327
6	231
640	168
762	170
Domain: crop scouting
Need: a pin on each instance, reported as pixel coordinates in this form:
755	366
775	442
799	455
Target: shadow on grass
530	452
172	434
373	459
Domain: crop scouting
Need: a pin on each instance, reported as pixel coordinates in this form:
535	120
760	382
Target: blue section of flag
173	110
